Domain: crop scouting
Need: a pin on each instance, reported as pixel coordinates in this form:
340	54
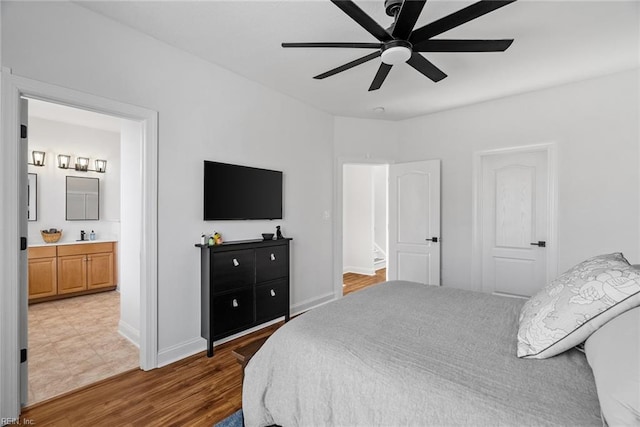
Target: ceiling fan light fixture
396	52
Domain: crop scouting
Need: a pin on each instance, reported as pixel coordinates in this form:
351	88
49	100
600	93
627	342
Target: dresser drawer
232	312
232	270
271	263
271	300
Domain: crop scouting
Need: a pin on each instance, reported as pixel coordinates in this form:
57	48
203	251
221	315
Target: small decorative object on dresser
279	235
243	284
267	236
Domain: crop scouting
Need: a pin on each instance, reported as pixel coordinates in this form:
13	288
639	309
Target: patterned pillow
571	307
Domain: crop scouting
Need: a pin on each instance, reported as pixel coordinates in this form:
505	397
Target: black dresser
243	284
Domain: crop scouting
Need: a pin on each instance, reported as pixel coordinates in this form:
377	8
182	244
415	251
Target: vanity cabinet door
100	270
42	277
72	273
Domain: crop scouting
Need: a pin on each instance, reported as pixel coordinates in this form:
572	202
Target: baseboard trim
359	270
180	351
312	303
129	332
196	345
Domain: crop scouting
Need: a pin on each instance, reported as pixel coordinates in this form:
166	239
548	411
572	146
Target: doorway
75	311
515	219
364	219
13	347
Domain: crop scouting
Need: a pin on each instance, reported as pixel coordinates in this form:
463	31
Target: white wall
55	138
380	178
205	112
358	210
131	230
595	126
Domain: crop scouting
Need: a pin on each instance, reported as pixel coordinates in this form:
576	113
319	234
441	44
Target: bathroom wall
55	138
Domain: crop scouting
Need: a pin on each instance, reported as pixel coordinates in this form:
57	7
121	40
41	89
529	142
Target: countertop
79	242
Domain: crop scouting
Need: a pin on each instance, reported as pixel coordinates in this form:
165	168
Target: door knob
235	262
234	303
541	244
273	293
433	239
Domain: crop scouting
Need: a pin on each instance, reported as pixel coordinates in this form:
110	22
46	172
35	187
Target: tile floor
74	342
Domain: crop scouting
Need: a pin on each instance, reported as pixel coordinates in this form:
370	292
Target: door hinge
23	355
23	131
23	243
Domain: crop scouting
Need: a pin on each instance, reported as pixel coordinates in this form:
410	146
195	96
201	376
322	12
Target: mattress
402	353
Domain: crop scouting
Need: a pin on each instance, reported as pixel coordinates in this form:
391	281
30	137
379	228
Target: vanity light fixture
38	158
101	165
63	161
82	164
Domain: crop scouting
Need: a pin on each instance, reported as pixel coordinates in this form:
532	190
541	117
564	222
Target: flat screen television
241	192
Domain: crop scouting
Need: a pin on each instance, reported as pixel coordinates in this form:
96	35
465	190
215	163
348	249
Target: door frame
338	206
13	87
550	148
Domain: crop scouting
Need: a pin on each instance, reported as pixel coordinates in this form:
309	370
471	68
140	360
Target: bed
402	353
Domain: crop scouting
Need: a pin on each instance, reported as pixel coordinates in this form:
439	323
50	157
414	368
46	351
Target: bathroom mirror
32	197
83	198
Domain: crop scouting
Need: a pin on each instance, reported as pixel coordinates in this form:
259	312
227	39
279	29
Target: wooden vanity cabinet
69	270
43	272
85	266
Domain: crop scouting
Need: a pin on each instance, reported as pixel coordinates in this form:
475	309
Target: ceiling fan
402	43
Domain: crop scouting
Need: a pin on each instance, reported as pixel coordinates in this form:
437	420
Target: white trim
197	345
337	223
359	270
552	209
310	304
129	332
12	88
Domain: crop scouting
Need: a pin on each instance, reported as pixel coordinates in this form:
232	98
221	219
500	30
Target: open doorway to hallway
365	207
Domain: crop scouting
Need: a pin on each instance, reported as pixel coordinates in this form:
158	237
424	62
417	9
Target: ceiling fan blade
382	73
455	19
348	65
332	44
424	66
463	45
365	21
407	18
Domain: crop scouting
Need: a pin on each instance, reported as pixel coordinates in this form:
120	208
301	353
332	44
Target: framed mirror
32	197
82	199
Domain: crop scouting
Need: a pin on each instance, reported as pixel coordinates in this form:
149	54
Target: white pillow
613	351
571	307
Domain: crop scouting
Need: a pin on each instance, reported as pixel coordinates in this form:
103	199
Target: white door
414	222
23	313
514	209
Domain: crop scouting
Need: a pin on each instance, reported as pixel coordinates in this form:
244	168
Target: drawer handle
273	257
235	262
273	293
234	303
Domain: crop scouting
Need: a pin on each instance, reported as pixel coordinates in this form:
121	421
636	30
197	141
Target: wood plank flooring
354	282
196	391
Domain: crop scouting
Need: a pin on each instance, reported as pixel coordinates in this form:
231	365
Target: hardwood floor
354	282
196	391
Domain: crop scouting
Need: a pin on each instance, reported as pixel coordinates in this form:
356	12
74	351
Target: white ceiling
555	42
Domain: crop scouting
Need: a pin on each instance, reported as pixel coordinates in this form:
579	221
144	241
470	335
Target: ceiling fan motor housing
396	52
392	7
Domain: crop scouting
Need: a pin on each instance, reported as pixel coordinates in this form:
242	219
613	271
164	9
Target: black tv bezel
204	207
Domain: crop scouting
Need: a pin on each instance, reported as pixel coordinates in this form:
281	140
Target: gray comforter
401	353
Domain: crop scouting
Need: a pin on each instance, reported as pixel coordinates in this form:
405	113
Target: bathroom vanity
69	269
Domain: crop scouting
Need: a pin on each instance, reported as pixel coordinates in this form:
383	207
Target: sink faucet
81	234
